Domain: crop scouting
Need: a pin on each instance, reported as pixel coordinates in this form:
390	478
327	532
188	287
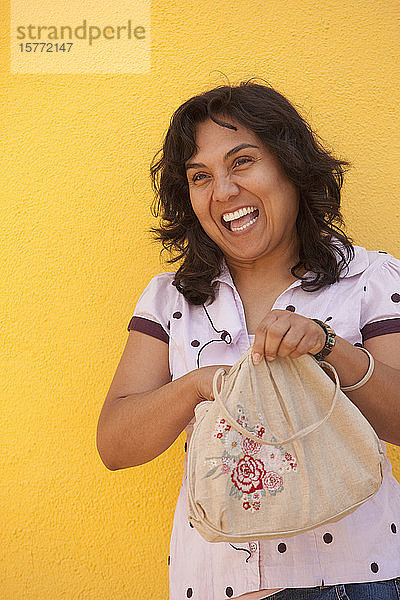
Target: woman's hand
204	381
284	333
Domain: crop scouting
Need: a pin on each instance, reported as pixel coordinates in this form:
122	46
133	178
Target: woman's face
241	196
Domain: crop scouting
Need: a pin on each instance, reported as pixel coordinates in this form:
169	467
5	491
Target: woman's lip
228	225
246	229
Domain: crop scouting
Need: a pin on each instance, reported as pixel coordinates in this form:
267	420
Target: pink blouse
364	545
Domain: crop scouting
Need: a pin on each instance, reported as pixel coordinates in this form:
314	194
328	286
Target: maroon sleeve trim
149	327
380	328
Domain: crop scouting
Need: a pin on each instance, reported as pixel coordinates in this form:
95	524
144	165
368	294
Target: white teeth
238	213
245	226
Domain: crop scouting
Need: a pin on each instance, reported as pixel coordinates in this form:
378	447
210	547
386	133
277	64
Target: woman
250	202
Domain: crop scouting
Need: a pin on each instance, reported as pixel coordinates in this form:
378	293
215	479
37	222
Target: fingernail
256	357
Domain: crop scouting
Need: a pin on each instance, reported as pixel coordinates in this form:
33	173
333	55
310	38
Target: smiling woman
248	196
249	204
227	148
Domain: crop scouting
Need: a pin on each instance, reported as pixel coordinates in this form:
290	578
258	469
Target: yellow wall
76	255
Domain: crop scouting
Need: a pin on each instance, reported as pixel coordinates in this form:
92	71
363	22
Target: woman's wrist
350	363
330	339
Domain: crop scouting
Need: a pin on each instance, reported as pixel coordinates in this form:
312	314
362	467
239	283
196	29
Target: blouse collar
356	266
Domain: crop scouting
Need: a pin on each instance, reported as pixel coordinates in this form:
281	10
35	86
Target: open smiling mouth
240	219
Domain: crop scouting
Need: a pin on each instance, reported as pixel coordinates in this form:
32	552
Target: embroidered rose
272	481
248	474
273	459
233	442
250	447
253	478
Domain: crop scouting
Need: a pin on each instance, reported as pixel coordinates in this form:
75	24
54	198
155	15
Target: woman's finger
291	341
260	334
275	336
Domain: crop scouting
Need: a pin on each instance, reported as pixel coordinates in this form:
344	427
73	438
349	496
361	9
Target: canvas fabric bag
279	451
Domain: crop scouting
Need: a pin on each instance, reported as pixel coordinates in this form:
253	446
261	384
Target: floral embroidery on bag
254	468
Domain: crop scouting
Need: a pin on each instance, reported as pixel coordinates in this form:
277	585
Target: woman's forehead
211	135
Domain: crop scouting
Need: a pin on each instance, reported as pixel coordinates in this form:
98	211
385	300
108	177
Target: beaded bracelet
330	338
367	375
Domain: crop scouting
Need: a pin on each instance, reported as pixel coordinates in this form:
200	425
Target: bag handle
300	434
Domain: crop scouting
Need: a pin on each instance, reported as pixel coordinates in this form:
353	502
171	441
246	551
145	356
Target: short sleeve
151	313
380	312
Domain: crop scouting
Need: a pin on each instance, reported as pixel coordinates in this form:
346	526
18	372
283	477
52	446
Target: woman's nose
224	188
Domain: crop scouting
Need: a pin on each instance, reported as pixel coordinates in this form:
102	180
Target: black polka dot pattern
291	308
395	297
195	343
374	567
365	288
327	538
189	593
177	315
229	592
281	547
393	528
169	325
191	524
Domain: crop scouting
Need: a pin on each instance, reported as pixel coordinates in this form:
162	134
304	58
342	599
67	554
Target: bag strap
300	434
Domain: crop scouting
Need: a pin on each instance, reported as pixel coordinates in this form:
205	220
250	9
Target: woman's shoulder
161	283
156	302
366	262
381	261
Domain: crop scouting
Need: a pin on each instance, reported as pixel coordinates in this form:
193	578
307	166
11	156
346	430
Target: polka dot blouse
362	546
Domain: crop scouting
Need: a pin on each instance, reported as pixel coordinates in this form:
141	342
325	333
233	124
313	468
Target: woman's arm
144	411
379	398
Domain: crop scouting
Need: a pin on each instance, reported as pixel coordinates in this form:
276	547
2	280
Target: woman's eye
195	178
242	158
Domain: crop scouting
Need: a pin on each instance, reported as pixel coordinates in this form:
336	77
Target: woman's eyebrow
227	155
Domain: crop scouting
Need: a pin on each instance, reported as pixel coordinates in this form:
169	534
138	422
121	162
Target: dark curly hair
316	173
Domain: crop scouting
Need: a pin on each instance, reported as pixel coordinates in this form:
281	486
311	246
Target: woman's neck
272	271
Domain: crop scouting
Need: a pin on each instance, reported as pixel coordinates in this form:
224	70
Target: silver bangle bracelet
367	375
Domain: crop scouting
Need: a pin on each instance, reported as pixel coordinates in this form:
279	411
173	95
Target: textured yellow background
75	257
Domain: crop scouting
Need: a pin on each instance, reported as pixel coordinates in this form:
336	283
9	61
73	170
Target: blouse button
253	547
226	337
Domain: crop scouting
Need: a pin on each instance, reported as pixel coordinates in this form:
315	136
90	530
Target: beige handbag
281	450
